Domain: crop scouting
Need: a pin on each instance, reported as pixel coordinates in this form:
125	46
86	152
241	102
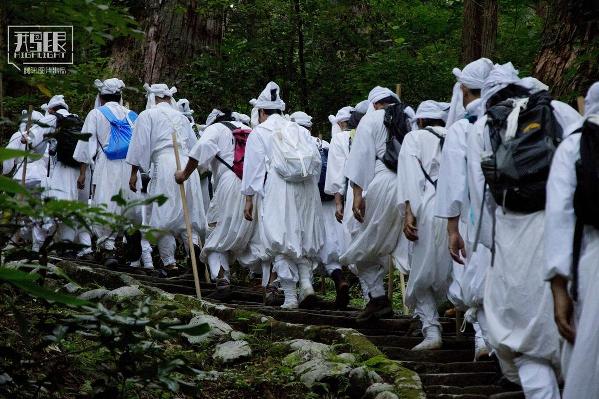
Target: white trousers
537	378
83	237
426	310
293	271
372	275
216	261
167	245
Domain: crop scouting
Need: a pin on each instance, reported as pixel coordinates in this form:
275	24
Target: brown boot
377	308
341	289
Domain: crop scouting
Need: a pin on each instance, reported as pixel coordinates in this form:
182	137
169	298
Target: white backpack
295	155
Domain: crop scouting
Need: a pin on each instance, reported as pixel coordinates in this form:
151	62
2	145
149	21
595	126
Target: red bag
241	137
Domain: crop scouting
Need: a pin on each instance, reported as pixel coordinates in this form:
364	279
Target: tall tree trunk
567	61
300	48
479	29
174	34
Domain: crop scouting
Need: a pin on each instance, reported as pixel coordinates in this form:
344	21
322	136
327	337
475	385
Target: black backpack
517	171
398	125
324	158
68	133
586	196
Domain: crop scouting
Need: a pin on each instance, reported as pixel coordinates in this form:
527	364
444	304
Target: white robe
290	216
378	236
151	148
430	264
579	363
232	232
36	170
518	303
110	176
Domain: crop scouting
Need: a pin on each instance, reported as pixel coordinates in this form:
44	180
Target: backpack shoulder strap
426	175
229	125
132	116
107	114
441	138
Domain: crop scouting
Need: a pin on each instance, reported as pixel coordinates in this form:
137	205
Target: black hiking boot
377	308
223	291
341	289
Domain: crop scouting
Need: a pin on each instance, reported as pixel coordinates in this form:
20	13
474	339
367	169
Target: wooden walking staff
192	252
580	101
24	175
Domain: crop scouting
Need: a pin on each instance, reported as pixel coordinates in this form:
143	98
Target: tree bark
567	61
174	34
479	29
302	61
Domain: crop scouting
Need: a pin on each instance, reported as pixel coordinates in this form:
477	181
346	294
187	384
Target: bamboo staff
24	174
192	251
402	282
580	101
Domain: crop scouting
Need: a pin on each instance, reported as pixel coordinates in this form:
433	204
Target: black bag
517	171
586	196
68	133
398	125
324	157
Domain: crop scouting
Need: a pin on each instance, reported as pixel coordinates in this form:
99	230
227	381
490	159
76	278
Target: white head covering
185	109
473	77
378	93
534	84
430	109
342	115
362	106
109	86
270	98
591	101
35	116
56	101
213	115
159	90
499	78
301	118
239	117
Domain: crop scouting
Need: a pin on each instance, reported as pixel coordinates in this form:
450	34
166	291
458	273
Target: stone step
481	390
450	396
454	367
432	356
508	395
452	342
459	379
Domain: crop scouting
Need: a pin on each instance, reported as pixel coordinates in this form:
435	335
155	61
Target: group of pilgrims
425	189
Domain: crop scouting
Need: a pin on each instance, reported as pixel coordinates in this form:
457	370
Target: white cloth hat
473	77
56	101
378	93
301	118
430	109
270	98
534	84
591	101
362	106
109	86
239	117
159	90
184	108
499	78
213	115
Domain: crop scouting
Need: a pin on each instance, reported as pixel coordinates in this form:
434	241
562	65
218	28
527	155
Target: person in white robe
517	301
334	233
453	200
229	240
290	215
110	176
152	149
374	206
417	174
61	181
576	318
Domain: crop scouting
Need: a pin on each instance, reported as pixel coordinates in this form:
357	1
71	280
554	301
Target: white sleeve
360	165
140	149
567	117
37	133
452	185
559	210
86	150
335	180
254	166
409	174
206	148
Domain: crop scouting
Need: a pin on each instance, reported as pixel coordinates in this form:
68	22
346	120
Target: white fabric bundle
430	109
342	115
109	86
473	77
185	109
499	78
56	101
591	101
534	84
362	106
160	90
239	117
378	93
270	98
302	119
213	115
